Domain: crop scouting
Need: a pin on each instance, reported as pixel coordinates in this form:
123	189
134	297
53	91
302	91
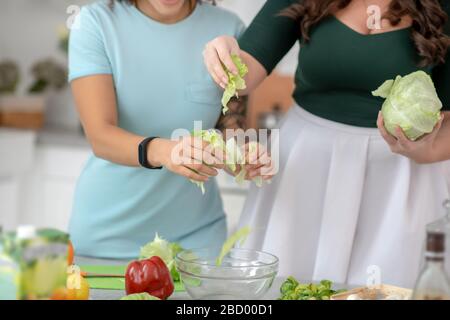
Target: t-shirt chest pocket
204	94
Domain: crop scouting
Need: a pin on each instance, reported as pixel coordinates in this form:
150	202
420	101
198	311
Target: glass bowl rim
247	278
265	265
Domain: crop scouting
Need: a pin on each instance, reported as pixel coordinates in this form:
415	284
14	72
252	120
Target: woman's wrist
154	152
436	154
426	156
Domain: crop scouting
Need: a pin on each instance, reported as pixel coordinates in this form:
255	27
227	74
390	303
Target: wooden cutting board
380	293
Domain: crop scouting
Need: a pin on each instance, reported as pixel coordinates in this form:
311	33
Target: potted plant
9	78
48	75
28	111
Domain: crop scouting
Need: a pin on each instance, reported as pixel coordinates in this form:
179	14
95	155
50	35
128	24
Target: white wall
247	9
29	31
29	28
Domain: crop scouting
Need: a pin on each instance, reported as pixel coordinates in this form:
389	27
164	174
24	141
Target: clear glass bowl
243	275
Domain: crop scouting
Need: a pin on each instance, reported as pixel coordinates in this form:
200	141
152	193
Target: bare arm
96	103
256	75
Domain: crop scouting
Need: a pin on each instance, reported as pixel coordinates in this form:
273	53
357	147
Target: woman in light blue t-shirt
136	72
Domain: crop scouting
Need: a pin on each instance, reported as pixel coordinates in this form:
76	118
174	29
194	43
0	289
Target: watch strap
142	152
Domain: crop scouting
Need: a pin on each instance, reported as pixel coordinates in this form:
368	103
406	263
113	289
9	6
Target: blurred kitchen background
42	148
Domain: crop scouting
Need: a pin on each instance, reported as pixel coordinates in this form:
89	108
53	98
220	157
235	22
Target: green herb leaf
291	289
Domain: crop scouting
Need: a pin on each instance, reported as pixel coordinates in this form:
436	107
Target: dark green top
339	67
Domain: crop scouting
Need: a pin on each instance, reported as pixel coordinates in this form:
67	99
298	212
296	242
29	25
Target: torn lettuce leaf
214	138
235	82
238	237
240	178
200	184
234	155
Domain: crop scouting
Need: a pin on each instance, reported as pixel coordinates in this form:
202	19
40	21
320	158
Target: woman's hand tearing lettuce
238	157
234	157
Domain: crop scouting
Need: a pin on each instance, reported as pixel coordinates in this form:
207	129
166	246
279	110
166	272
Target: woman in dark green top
350	201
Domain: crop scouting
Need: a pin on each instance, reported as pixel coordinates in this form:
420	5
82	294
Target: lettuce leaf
200	184
233	150
234	155
214	138
235	82
238	237
165	250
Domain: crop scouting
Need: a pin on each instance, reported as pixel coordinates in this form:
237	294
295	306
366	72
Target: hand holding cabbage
411	104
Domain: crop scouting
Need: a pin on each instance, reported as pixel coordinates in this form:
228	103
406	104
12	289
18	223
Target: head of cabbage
411	103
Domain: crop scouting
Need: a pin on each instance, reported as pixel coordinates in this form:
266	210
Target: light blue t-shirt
161	85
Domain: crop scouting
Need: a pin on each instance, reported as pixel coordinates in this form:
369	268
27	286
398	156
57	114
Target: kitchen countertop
97	294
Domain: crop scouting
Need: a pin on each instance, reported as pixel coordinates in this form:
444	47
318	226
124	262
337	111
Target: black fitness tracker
143	160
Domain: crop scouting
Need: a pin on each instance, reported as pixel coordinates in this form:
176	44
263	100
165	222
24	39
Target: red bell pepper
151	276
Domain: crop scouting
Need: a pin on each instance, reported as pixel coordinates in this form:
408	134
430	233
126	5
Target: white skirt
343	206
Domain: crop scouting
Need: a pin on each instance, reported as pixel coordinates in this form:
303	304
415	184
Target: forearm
96	103
256	73
114	144
441	149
